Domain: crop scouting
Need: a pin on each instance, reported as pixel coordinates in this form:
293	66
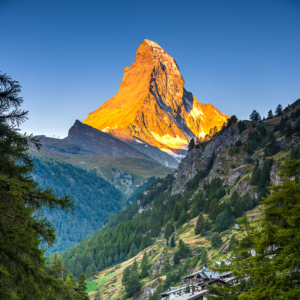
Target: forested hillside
95	200
192	226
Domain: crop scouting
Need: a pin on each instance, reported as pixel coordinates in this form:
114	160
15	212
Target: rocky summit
152	105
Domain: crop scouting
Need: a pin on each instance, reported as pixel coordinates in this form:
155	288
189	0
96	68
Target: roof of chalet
204	274
212	281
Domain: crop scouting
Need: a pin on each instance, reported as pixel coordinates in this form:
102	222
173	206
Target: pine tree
176	259
222	222
23	229
134	267
70	281
191	144
172	243
200	201
133	251
204	257
203	232
183	250
133	285
234	197
247	202
289	131
144	272
255	116
126	273
145	260
270	114
215	211
81	293
207	225
199	224
238	208
216	240
177	211
278	110
88	272
194	211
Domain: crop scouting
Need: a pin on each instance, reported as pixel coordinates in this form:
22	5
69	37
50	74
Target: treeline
95	200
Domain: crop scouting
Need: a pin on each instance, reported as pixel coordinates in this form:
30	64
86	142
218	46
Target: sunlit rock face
153	106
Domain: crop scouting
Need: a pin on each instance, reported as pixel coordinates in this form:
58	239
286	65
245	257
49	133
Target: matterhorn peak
153	106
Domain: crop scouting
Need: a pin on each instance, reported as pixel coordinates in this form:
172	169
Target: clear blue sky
69	56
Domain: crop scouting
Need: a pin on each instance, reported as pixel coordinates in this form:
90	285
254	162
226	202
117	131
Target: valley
219	181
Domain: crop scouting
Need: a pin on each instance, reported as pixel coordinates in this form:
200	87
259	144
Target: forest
95	200
130	231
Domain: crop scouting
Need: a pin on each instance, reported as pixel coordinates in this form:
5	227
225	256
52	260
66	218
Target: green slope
158	215
95	199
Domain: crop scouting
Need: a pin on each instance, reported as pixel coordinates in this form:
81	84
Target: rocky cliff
153	106
225	165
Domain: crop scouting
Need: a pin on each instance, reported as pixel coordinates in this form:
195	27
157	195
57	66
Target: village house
193	287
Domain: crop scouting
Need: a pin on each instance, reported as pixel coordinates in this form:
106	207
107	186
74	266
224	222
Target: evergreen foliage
133	287
278	110
261	177
194	211
242	126
234	197
176	259
216	240
172	243
222	222
191	144
266	264
271	148
238	208
295	153
289	131
177	211
144	272
168	230
184	217
255	116
95	200
199	224
270	114
183	250
204	257
232	121
23	270
81	293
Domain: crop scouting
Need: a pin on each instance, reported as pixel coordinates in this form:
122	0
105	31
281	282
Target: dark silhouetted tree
278	110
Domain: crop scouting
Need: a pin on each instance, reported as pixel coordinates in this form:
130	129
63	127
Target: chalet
211	282
200	276
194	284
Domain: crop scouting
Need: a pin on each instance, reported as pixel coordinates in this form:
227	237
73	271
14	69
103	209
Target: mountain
109	146
153	106
222	179
126	166
100	142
